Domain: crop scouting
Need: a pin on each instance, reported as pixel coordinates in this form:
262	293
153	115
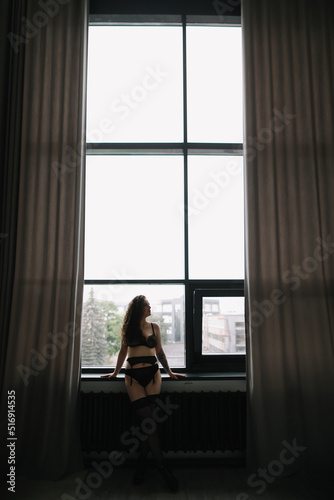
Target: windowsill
91	377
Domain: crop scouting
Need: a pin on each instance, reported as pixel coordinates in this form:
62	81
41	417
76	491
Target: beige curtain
42	351
289	94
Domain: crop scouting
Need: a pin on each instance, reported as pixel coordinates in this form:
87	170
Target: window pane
103	313
134	84
216	217
214	84
223	330
134	224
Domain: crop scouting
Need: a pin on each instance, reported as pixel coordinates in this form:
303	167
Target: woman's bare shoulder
155	326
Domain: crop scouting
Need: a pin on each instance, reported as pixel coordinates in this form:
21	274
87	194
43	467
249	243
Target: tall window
164	189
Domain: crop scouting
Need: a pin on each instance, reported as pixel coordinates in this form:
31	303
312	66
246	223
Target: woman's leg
154	387
153	390
142	401
134	389
142	406
137	392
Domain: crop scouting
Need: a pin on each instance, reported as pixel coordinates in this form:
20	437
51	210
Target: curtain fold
11	100
42	354
289	130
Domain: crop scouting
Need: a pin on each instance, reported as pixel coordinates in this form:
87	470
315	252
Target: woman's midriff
136	352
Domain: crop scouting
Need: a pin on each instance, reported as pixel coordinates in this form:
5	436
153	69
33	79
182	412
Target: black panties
145	374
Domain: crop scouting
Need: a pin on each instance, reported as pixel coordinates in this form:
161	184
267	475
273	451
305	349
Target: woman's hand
176	376
109	375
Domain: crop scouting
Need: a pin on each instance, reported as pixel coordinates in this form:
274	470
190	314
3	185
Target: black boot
139	475
170	480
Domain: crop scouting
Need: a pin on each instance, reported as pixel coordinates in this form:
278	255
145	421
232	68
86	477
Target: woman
141	340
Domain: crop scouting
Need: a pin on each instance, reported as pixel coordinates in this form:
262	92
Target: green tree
94	343
114	322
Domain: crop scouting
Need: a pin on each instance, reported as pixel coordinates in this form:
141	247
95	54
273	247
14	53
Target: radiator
193	421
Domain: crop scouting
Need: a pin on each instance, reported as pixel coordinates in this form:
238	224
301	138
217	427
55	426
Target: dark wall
191	7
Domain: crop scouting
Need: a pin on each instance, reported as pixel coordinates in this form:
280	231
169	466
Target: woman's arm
163	360
120	360
161	354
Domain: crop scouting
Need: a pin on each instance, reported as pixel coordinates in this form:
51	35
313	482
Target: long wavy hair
131	323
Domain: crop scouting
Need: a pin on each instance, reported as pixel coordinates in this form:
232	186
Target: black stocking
144	408
148	429
144	449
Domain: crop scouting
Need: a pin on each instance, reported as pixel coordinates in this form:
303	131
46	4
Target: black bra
150	342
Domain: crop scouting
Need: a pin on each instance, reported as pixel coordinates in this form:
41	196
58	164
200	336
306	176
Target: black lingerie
145	374
150	341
